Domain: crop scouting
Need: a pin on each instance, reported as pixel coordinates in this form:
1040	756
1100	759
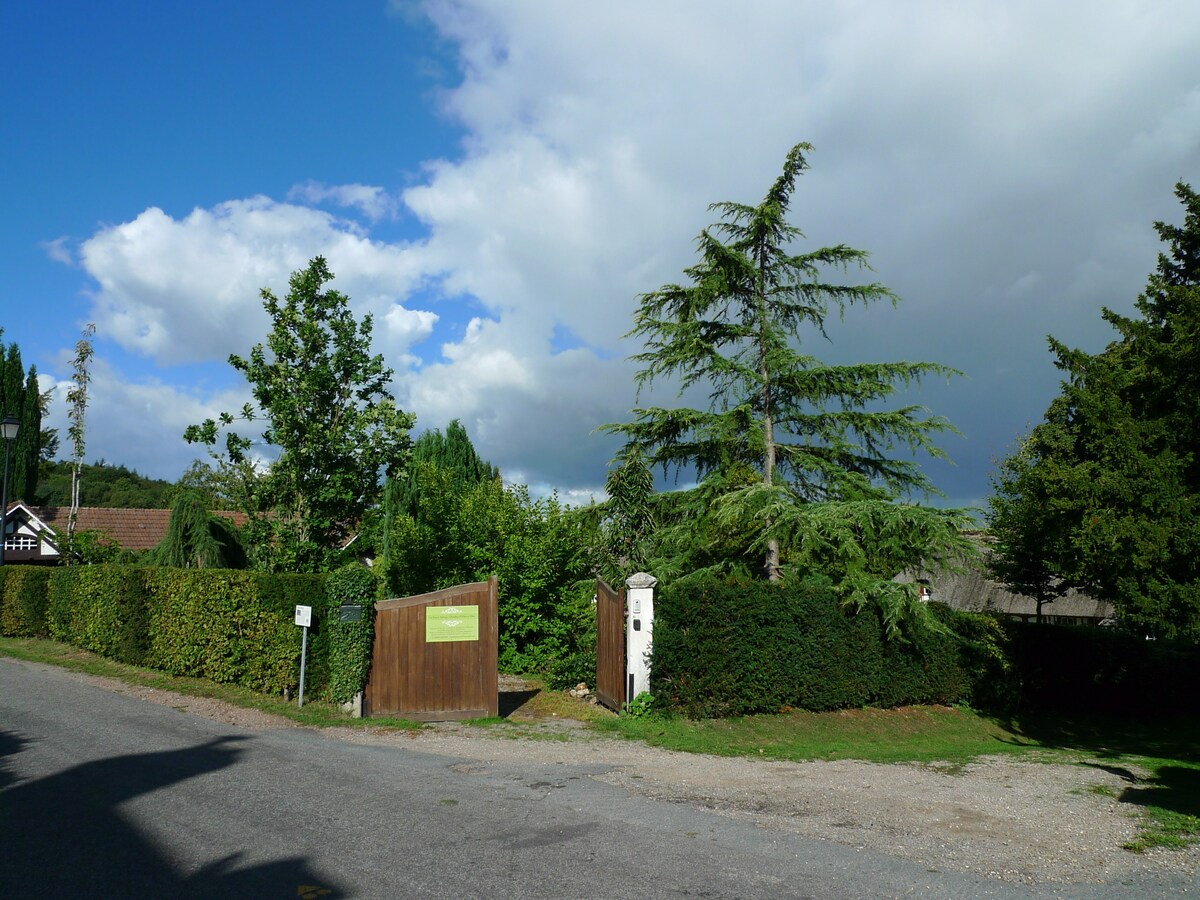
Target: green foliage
1104	494
20	397
325	405
348	644
102	485
461	533
101	608
726	647
92	546
802	430
197	540
23	596
641	707
210	623
1080	669
28	443
61	609
576	667
452	453
627	521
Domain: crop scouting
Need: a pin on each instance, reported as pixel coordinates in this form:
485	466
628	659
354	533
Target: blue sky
497	182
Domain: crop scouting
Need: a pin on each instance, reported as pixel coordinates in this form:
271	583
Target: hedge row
725	648
229	626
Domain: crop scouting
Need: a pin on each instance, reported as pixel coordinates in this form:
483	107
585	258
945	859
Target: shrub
347	645
61	610
729	647
110	615
211	623
23	601
572	669
1082	669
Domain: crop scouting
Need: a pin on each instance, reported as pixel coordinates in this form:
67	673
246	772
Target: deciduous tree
324	403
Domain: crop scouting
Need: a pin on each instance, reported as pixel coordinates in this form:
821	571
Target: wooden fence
435	655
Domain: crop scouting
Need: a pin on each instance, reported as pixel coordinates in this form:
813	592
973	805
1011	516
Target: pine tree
782	430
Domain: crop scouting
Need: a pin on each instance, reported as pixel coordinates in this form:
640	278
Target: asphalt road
106	795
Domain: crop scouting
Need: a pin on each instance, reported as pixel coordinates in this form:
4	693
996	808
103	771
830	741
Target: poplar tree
28	444
782	432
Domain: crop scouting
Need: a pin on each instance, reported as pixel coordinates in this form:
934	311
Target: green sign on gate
451	623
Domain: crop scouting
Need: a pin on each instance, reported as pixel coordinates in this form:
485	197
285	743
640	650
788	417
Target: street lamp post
10	426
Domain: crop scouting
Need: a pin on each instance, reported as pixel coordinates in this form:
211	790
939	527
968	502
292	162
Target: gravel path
1013	820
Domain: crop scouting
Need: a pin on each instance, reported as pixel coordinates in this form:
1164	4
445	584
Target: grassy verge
314	713
914	734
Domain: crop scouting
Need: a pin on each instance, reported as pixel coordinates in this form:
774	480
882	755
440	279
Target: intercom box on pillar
639	633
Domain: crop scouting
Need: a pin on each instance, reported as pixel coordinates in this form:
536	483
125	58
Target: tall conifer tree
782	431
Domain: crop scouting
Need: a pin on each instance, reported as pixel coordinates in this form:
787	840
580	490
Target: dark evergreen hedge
728	647
1081	669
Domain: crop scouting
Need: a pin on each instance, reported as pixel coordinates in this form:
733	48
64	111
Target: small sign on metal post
303	619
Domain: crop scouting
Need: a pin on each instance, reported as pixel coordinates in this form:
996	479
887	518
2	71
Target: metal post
4	502
303	654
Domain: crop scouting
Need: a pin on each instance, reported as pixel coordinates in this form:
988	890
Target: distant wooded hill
103	485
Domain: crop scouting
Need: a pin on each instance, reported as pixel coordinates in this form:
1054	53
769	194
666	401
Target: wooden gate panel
434	681
610	645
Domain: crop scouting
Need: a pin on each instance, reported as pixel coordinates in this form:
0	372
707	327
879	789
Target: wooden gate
610	645
434	656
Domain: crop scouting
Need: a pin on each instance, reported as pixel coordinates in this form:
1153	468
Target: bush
572	669
347	645
212	623
110	615
23	601
279	594
62	613
729	647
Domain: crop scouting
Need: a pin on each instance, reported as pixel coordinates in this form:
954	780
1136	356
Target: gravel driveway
1003	818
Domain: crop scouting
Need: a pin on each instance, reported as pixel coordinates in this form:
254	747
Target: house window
21	542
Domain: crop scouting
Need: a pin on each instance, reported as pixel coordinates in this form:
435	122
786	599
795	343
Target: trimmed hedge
728	647
230	626
23	601
212	623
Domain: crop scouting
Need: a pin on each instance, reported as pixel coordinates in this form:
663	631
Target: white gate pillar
639	633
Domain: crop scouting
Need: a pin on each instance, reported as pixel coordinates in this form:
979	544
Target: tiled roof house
31	533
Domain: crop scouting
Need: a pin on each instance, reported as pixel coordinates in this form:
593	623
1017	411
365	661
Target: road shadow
64	836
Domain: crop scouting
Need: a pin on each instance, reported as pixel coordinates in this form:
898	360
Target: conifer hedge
730	647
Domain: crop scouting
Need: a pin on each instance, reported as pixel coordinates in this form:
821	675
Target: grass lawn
1159	761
